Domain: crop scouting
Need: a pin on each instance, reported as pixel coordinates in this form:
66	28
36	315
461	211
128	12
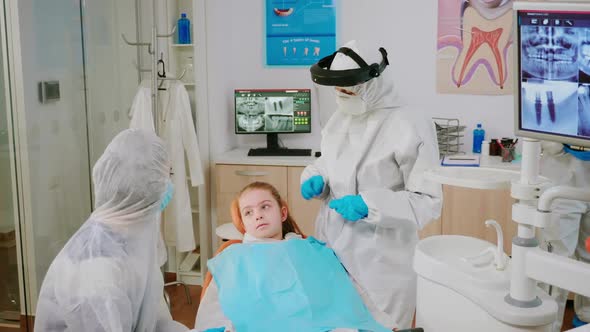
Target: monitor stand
273	149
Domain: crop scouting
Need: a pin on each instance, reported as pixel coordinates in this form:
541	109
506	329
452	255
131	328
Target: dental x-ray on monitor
553	81
272	112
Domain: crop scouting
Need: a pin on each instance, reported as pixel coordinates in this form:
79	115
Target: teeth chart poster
299	32
474	47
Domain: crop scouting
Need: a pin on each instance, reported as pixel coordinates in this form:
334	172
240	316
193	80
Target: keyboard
263	152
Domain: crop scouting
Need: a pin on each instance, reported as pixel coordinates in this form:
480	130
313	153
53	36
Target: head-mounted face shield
322	75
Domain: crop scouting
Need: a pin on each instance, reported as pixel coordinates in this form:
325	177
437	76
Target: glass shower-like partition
11	291
48	142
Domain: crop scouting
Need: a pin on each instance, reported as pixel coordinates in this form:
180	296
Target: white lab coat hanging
178	131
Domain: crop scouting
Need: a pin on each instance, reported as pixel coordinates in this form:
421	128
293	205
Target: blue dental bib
296	285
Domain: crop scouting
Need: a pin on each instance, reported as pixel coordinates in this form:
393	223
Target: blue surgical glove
215	329
312	187
351	207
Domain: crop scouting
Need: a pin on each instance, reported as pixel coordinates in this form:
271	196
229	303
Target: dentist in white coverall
375	198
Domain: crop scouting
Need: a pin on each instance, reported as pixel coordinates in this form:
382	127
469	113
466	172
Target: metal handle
134	43
251	173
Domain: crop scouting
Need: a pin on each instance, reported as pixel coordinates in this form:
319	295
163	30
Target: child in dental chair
277	279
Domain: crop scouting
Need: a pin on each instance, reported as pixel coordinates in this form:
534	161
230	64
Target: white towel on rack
181	138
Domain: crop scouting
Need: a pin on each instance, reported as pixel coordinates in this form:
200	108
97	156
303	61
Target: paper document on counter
460	160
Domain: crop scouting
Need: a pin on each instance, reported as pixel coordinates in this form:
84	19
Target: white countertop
240	156
496	162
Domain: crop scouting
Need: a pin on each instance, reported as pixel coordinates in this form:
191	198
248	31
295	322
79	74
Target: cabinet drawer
233	178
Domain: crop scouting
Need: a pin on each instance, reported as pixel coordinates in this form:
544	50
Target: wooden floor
182	311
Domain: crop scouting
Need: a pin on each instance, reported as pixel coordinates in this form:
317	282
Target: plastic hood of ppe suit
106	277
382	156
376	93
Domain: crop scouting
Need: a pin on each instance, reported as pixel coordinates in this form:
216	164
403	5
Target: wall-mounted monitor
553	77
272	112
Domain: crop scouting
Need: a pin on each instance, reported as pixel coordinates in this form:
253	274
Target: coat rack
155	77
152	51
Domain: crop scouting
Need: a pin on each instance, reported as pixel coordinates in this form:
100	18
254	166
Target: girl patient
278	280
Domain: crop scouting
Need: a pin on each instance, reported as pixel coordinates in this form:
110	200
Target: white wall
407	29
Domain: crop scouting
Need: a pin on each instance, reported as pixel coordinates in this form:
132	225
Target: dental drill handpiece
551	106
538	107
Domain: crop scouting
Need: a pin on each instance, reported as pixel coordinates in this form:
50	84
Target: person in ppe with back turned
567	166
107	278
370	178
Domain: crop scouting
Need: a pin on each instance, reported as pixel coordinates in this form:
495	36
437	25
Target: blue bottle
478	136
184	29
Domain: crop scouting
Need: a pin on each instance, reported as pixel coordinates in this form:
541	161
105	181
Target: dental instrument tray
448	135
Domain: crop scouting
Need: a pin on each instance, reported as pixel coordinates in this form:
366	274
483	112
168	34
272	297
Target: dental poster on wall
299	32
474	47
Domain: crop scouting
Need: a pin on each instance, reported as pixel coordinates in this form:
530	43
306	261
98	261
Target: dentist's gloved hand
215	329
312	187
351	207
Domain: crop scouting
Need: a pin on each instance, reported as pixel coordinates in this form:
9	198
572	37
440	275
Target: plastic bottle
184	29
478	137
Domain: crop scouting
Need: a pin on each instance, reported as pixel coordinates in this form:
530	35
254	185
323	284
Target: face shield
322	75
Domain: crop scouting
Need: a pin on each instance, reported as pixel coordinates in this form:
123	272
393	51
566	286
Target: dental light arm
563	192
559	271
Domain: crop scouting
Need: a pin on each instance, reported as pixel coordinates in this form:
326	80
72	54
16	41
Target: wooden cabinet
465	211
231	178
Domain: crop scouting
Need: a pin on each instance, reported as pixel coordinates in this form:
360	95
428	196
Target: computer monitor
273	112
553	78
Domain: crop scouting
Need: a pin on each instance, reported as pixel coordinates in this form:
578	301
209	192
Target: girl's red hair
289	225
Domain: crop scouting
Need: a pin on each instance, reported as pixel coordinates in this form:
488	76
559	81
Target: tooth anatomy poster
299	32
474	47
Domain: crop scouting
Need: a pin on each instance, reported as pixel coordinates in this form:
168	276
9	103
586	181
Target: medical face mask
353	105
167	196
